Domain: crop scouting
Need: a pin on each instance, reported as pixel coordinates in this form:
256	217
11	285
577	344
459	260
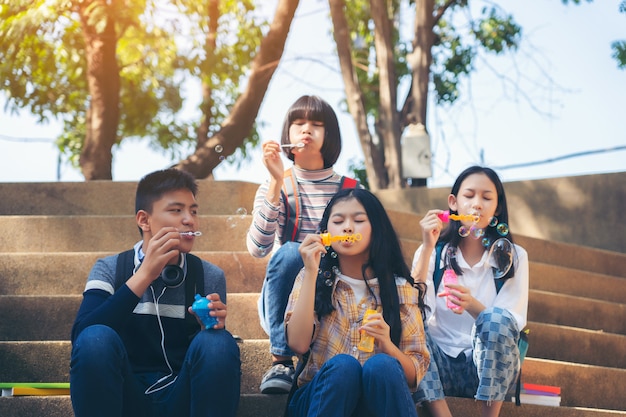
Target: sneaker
277	380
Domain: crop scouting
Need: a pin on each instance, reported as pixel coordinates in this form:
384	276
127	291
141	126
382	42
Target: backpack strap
438	274
293	204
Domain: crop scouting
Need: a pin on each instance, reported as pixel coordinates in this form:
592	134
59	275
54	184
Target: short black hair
154	185
316	109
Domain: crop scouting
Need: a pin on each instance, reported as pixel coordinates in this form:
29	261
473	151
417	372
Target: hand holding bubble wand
327	239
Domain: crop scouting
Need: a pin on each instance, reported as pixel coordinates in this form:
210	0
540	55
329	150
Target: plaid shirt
338	332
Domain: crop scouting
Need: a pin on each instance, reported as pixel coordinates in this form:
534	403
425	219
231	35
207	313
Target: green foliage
619	47
160	46
357	169
619	53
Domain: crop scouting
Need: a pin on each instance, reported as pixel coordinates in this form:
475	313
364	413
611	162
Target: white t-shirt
451	331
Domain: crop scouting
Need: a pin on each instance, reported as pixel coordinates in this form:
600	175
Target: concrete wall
587	210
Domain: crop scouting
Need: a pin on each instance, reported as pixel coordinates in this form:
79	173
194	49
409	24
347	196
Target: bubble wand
293	145
446	216
327	239
196	233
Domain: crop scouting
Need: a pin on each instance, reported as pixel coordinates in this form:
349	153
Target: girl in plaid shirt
324	316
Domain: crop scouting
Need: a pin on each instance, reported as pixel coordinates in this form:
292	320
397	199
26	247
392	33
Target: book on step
540	395
10	389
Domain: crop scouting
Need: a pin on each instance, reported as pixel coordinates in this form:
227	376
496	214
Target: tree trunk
239	123
420	59
103	79
209	62
388	126
374	163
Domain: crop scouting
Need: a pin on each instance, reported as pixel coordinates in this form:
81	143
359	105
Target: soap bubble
501	257
464	231
493	221
478	233
219	148
241	212
503	229
222	158
486	242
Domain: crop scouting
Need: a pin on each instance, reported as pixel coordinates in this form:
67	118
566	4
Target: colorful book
542	389
10	389
547	400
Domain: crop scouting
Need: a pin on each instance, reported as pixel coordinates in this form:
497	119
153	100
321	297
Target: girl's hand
311	250
272	160
465	301
378	328
431	228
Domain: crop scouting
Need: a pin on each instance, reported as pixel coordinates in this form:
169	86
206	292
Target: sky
526	114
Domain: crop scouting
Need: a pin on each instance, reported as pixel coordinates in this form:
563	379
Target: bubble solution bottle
367	342
201	308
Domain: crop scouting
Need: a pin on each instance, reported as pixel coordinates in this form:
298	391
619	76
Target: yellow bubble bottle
366	344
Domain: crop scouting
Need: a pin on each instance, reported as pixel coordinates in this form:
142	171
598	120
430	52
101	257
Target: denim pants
344	388
282	269
102	382
488	374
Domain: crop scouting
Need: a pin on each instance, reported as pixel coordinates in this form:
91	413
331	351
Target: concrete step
66	272
113	198
108	233
568	281
102	233
41	317
32	317
258	405
582	385
571	344
584	313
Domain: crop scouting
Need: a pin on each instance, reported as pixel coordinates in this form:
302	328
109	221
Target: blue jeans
344	388
486	375
282	270
102	382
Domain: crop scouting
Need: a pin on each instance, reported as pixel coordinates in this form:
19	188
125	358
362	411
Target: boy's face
177	209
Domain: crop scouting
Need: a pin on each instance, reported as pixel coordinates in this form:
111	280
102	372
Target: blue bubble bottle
201	308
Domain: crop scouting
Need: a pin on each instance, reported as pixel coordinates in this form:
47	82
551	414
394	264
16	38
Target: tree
619	47
113	69
377	63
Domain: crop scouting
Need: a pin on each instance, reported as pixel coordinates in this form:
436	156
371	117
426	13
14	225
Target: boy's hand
161	249
218	310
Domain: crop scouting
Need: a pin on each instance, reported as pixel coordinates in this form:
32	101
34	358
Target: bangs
308	110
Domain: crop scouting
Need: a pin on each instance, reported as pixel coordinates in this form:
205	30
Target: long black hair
451	235
385	260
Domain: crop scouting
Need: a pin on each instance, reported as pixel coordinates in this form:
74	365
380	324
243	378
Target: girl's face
309	132
477	195
348	217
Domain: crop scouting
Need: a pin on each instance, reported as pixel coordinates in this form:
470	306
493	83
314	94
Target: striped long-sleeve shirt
315	189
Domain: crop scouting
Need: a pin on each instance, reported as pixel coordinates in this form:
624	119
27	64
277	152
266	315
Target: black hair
451	235
316	109
152	187
385	259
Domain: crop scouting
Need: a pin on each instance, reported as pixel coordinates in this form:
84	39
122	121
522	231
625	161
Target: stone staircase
52	233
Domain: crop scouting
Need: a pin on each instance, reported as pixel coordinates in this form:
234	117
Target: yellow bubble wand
327	238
